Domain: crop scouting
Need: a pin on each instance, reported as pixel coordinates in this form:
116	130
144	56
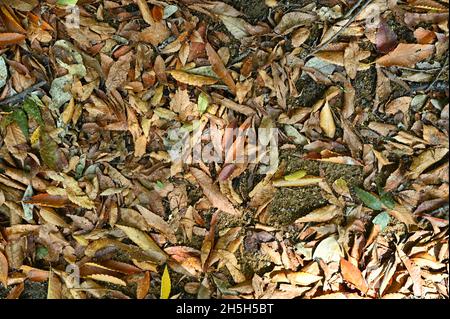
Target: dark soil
291	203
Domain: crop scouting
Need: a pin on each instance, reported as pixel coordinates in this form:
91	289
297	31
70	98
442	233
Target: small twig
350	21
22	95
438	75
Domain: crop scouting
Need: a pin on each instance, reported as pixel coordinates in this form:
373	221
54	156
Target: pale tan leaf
327	121
319	215
3	270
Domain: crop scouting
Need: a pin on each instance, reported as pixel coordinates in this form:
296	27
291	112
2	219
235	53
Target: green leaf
67	2
32	107
203	102
382	219
296	175
165	284
48	150
387	200
6	121
21	119
369	199
159	184
41	252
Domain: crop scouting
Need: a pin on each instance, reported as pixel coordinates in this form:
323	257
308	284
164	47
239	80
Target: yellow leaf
76	194
108	278
165	284
192	79
34	138
327	121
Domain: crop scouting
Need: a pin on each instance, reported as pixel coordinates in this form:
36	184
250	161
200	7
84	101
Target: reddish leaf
11	38
47	200
219	68
386	39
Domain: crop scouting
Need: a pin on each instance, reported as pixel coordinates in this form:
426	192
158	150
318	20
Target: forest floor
346	196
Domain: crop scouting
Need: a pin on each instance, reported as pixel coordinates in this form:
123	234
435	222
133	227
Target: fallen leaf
192	79
212	192
320	215
165	284
353	275
219	68
407	55
327	121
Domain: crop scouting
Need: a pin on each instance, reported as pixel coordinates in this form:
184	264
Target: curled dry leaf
212	192
219	68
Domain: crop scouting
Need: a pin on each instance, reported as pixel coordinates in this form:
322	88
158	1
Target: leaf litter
353	205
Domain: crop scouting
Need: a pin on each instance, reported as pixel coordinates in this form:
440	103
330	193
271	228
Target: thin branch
19	97
438	75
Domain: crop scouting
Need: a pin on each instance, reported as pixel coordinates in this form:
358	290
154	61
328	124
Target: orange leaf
219	68
11	38
47	200
157	13
40	22
142	286
10	20
353	275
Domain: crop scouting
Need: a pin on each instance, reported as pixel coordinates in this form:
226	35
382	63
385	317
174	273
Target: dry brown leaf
157	223
143	286
406	55
319	215
212	192
219	68
351	61
192	79
424	160
155	34
118	73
